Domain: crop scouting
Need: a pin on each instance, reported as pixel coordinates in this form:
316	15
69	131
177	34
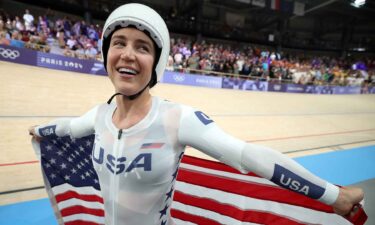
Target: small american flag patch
151	145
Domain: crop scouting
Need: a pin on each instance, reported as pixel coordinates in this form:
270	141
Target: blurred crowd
211	57
72	38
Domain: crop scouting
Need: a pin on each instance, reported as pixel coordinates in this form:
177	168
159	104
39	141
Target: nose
128	53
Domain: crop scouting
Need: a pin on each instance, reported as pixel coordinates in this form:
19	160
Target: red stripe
81	222
72	194
234	212
211	165
252	190
81	210
192	218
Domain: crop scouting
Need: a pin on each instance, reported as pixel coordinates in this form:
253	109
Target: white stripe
85	217
247	203
60	189
209	214
181	222
75	202
229	175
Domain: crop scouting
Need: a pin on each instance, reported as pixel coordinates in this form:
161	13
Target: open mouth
127	71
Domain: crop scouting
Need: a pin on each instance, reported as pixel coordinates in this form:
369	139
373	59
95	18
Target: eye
144	48
118	43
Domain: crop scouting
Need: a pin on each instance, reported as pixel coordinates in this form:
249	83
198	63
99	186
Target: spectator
3	39
79	51
71	42
68	52
59	27
18	24
193	61
170	63
90	51
42	26
29	20
16	40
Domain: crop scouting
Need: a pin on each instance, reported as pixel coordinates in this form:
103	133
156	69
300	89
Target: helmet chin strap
130	97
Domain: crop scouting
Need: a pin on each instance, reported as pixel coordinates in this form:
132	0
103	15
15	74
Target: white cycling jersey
137	167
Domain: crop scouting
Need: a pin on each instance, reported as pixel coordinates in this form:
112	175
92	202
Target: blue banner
192	80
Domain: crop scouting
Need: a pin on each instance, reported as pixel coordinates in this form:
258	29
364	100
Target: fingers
33	134
348	198
32	130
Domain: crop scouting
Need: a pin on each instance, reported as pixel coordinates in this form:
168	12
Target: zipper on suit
114	182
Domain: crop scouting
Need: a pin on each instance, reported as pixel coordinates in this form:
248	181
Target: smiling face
130	60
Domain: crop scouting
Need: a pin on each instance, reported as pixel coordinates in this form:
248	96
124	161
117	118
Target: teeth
126	70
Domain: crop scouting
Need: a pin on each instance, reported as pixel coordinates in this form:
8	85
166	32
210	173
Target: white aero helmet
144	19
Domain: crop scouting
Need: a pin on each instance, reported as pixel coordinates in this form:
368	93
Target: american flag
151	145
206	192
71	181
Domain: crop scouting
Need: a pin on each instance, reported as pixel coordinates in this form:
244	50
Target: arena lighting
358	3
359	49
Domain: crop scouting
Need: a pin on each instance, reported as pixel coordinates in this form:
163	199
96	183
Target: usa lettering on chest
122	164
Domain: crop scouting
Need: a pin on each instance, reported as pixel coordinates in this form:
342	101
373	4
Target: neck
130	112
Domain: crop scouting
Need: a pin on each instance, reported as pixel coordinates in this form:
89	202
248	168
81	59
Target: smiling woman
151	133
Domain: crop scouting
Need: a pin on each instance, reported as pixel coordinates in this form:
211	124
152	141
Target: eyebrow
123	37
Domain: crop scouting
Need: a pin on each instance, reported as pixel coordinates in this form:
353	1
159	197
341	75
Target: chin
128	90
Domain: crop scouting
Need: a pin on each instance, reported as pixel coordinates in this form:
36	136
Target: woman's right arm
74	127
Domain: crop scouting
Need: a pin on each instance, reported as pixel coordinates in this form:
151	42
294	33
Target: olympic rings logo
9	53
178	78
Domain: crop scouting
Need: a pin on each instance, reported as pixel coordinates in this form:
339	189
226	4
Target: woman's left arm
199	131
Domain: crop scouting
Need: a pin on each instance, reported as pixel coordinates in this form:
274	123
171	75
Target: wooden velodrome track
296	124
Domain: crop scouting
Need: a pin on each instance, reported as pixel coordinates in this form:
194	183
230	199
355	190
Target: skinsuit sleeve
74	127
199	131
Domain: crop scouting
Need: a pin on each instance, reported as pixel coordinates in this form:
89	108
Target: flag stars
67	144
53	176
70	159
48	147
96	181
169	194
82	149
74	171
87	174
163	212
63	166
60	153
67	177
47	165
52	161
88	143
83	177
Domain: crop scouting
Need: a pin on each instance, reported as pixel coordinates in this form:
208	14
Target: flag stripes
205	187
